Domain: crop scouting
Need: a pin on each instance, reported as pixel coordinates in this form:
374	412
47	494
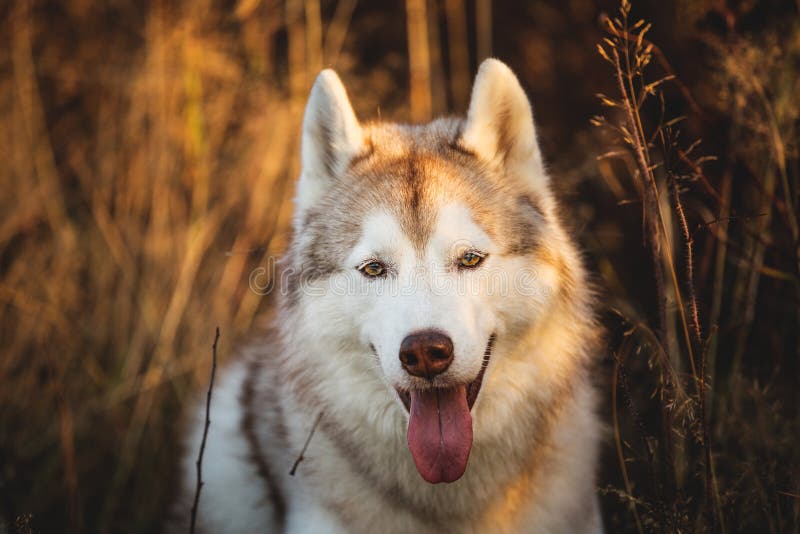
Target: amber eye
372	268
470	259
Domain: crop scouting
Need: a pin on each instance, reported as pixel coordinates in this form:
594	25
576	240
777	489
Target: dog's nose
426	354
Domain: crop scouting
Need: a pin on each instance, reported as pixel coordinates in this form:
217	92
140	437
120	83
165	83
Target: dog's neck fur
505	459
415	200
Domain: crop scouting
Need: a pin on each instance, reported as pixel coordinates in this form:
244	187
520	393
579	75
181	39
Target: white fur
329	126
235	498
499	103
358	474
422	293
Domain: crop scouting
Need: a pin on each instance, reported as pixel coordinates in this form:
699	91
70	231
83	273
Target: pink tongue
440	433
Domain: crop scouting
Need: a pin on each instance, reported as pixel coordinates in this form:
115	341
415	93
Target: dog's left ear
499	125
331	137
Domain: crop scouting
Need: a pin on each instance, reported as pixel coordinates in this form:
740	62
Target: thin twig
712	490
698	171
199	462
662	59
639	149
305	445
689	262
618	442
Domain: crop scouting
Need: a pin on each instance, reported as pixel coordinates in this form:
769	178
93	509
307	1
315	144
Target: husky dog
434	343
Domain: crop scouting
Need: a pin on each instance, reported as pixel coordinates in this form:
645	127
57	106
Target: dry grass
147	154
126	244
681	458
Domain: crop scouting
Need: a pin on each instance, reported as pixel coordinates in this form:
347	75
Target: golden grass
147	158
125	254
682	457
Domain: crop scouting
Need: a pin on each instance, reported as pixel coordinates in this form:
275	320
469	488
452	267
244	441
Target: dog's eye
372	268
470	259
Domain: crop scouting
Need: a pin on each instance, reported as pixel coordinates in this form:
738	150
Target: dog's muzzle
439	420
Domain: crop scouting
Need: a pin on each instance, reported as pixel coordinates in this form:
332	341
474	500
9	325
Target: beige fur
415	196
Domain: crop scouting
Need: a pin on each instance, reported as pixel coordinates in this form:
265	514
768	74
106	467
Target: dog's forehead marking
418	183
411	172
414	188
456	228
381	235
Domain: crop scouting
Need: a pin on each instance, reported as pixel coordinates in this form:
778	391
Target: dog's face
425	243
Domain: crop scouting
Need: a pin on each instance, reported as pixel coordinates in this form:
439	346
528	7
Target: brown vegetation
148	152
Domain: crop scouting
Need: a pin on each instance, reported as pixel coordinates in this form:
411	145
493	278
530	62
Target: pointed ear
331	137
499	125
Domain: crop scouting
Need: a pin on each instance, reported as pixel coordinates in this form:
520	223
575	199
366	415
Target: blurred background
148	151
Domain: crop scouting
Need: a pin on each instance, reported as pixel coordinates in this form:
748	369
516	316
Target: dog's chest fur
353	480
413	202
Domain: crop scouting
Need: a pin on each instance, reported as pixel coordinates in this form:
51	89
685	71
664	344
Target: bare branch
199	462
305	445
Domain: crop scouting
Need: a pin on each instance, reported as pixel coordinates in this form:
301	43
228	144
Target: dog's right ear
499	125
331	137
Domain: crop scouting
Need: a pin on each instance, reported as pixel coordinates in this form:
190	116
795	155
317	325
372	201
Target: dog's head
421	245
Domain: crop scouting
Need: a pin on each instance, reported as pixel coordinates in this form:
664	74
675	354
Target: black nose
426	354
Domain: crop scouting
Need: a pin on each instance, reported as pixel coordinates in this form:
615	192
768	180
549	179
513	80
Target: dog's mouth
440	426
473	388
